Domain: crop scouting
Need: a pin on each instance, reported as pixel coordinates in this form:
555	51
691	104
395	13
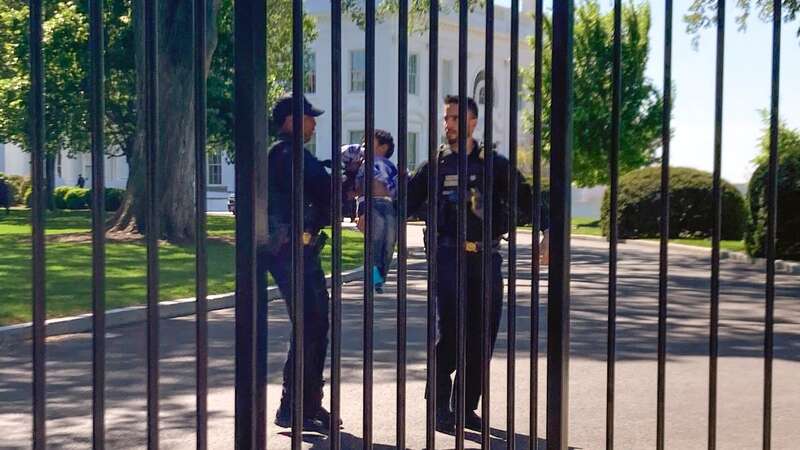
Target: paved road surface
741	366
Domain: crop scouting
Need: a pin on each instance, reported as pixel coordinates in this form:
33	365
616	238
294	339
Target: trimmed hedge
6	193
19	185
691	214
59	195
77	198
113	198
788	220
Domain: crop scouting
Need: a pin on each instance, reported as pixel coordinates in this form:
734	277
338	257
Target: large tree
592	59
66	91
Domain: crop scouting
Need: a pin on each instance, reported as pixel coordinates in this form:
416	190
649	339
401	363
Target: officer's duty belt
469	246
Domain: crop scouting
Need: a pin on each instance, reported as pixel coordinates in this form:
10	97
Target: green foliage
59	196
642	102
27	197
703	13
77	198
691	213
65	47
113	198
67	69
6	192
19	185
279	67
788	207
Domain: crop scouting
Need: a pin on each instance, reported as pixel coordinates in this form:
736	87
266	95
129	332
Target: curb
133	314
781	266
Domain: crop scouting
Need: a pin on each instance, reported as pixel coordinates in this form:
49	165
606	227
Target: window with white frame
214	168
310	69
358	69
411	151
356	137
412	73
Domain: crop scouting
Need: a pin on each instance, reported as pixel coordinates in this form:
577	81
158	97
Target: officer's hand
544	250
361	223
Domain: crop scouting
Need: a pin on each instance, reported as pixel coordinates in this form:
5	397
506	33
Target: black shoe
445	422
325	417
283	419
472	421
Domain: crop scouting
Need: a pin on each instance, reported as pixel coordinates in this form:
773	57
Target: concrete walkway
740	368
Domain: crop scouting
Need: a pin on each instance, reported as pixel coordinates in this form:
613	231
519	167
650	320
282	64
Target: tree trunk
175	154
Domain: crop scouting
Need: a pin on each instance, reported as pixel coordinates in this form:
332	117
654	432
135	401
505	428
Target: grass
591	227
69	266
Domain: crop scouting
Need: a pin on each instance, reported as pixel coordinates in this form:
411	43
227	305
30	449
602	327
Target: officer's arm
417	189
317	185
525	205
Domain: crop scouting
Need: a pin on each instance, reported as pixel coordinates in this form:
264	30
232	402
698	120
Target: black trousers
315	324
446	321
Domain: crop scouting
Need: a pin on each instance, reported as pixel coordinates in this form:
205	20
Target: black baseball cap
283	109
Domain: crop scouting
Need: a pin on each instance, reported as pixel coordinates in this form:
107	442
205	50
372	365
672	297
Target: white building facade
318	90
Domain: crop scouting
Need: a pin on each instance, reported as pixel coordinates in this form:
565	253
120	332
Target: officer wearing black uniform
277	256
447	287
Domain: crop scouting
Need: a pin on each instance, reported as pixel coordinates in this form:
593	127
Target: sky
747	86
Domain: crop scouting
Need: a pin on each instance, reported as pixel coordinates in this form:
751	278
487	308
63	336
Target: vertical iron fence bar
664	246
97	111
537	221
716	236
151	216
613	160
201	264
432	219
402	247
561	175
298	293
369	162
38	223
488	180
260	225
513	97
250	134
336	251
772	217
461	263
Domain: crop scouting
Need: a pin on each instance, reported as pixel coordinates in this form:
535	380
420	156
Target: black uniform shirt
448	195
316	188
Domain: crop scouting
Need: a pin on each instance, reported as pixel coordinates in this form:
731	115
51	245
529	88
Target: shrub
20	185
691	214
6	192
59	195
113	198
788	207
76	198
28	197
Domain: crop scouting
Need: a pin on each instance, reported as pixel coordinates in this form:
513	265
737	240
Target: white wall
15	161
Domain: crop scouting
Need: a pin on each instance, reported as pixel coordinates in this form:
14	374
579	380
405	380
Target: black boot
472	421
283	419
445	421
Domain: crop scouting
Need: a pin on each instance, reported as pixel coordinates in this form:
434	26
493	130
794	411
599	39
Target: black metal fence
251	226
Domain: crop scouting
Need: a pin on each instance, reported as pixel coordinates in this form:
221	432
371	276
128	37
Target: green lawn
69	266
591	227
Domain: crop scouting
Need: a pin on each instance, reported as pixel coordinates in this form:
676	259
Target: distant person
81	181
384	217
